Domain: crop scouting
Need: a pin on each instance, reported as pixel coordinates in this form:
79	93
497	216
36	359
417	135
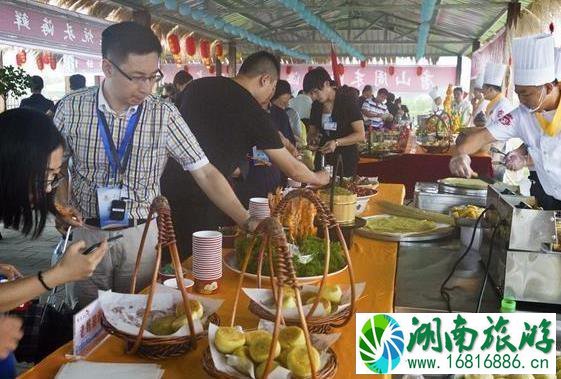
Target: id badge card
330	125
112	208
261	155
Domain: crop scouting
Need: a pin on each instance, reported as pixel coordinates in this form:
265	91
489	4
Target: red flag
334	67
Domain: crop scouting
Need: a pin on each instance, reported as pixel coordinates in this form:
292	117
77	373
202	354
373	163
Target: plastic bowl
361	204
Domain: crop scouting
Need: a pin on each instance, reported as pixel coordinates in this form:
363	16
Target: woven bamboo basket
325	221
443	118
160	348
282	275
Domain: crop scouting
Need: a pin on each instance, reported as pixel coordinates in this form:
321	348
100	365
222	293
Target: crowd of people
122	146
382	110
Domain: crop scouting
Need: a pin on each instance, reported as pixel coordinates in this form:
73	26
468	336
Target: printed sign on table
88	331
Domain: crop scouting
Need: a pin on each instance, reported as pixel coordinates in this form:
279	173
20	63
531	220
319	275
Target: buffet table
374	262
415	165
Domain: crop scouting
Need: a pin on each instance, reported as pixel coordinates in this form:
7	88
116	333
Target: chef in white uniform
436	99
519	158
537	121
497	107
479	102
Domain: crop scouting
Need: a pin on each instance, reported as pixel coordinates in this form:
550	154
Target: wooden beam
373	23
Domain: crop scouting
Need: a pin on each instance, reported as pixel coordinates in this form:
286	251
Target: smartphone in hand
94	247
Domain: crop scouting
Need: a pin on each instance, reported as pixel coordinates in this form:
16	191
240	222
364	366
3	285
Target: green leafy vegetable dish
167	270
309	263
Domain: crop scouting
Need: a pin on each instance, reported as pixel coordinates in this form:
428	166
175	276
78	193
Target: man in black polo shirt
227	118
37	101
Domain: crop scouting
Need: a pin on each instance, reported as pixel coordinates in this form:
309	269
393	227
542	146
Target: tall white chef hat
479	80
533	59
558	63
434	93
494	74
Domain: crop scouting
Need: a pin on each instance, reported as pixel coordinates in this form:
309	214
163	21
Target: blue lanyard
118	158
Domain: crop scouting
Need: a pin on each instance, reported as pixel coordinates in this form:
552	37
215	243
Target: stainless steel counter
423	266
421	269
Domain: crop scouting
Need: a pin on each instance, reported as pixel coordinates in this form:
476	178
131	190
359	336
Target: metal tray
441	232
446	188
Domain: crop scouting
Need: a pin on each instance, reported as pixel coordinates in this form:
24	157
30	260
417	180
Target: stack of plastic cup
207	261
259	208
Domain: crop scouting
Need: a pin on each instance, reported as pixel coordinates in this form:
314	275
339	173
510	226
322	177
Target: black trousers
547	202
191	210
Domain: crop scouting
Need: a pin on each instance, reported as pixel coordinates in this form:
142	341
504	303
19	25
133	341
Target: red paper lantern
391	70
288	69
362	64
191	45
218	49
21	58
341	69
419	71
204	47
53	62
39	61
173	44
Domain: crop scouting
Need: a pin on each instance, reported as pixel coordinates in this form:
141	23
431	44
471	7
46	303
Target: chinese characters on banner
31	24
404	79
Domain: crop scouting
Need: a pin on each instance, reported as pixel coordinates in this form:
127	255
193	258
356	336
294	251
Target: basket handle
166	237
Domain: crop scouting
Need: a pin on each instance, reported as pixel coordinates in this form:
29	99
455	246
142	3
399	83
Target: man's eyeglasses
140	79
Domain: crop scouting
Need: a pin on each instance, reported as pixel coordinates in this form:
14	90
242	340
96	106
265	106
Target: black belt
132	222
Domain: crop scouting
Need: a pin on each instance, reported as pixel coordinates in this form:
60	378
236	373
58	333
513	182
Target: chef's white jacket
544	150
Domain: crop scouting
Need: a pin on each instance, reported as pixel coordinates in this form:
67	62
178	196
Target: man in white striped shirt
374	110
91	119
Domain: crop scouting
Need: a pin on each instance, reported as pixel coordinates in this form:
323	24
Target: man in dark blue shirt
36	100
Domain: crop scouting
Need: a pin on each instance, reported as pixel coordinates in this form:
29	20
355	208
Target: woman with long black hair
31	158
